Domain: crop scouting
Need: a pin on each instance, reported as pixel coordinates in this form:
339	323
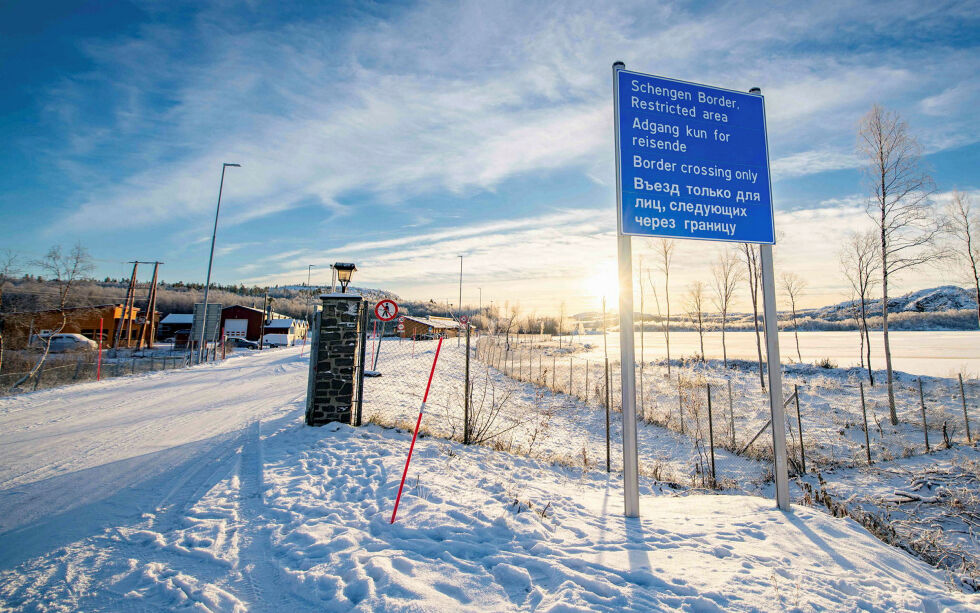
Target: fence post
864	410
554	372
466	392
966	419
799	426
731	411
922	405
680	403
711	438
78	366
365	314
607	414
570	376
586	382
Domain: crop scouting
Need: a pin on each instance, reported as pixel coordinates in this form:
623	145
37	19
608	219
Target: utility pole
265	315
117	337
149	325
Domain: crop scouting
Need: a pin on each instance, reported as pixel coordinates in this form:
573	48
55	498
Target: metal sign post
631	486
775	377
692	162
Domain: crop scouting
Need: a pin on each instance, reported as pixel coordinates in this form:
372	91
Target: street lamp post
207	284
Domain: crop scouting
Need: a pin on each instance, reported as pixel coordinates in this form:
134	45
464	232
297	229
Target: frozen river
939	354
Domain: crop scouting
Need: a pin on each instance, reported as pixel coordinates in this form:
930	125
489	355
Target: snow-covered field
830	404
201	488
934	353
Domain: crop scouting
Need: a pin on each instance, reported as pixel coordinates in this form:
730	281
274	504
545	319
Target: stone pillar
333	357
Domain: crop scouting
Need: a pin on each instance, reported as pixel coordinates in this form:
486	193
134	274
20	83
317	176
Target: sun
603	284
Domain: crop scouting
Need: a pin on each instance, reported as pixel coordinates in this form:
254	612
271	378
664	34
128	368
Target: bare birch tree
725	276
643	328
8	268
753	268
561	322
963	225
860	263
64	269
513	315
695	310
665	249
793	285
900	206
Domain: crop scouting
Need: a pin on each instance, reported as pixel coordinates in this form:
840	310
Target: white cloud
460	98
445	98
812	162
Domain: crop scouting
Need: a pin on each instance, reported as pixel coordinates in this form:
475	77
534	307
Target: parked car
64	342
243	343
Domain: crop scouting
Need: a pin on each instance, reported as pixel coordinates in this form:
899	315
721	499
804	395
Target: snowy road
68	448
202	489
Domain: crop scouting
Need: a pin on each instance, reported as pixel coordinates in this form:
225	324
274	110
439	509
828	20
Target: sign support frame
627	349
631	486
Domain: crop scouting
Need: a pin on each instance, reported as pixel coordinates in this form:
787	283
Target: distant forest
32	293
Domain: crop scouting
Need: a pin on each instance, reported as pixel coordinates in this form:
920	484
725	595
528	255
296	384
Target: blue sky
401	135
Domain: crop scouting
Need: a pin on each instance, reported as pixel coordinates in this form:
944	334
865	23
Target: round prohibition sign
386	310
464	320
401	327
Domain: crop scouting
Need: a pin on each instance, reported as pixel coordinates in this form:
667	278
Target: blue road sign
693	161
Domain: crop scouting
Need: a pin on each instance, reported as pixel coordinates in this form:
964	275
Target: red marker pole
417	424
98	367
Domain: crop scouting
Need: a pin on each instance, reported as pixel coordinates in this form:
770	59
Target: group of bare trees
908	231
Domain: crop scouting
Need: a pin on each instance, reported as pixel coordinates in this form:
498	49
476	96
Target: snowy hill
202	489
932	300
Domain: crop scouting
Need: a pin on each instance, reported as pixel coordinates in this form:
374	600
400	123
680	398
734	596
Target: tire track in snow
262	576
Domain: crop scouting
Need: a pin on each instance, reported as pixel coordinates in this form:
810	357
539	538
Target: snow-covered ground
928	504
201	488
830	404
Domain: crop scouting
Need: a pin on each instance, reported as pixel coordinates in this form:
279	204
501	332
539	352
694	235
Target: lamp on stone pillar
345	271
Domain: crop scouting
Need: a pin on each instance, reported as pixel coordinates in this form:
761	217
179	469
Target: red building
244	322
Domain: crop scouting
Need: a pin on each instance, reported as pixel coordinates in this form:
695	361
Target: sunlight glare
604	283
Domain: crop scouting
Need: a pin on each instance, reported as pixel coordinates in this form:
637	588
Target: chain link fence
61	369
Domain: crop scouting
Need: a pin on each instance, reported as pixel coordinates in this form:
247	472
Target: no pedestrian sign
386	310
693	161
